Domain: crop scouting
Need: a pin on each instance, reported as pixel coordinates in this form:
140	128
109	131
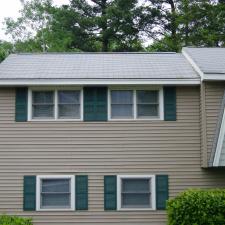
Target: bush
197	207
14	220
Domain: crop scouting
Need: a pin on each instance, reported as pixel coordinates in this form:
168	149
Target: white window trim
153	192
135	89
38	191
55	90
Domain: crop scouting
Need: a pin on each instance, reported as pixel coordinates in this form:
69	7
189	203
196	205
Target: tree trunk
186	40
173	24
105	39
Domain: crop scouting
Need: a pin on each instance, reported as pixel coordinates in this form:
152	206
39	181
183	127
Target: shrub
197	207
14	220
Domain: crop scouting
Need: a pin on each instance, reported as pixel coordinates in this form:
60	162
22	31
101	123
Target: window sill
55	210
136	209
140	119
55	120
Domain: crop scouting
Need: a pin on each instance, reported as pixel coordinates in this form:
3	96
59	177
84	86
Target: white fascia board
65	82
214	77
193	64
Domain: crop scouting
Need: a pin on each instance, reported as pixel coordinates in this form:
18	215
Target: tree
113	24
184	22
96	25
34	18
117	25
5	49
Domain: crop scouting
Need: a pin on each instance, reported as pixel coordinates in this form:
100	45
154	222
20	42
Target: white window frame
135	89
55	91
38	191
153	192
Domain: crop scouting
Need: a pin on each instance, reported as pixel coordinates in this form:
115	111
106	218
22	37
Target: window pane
135	193
147	110
43	111
122	97
70	97
122	111
55	201
136	201
136	185
42	97
69	111
147	96
56	185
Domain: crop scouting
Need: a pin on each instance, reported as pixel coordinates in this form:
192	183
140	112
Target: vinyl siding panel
213	100
98	149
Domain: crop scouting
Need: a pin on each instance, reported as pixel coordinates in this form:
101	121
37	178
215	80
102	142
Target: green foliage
185	23
14	220
197	207
117	25
5	49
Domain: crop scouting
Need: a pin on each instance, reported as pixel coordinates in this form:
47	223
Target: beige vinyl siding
98	149
214	92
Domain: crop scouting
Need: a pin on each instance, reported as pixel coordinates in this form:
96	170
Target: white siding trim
220	142
153	192
38	191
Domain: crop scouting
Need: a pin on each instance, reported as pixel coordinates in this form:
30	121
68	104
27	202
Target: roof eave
213	77
67	82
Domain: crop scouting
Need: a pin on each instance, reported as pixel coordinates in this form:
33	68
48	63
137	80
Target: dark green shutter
170	103
81	197
29	193
21	105
110	192
95	104
162	191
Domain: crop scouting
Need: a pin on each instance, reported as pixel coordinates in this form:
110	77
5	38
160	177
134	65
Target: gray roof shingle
209	60
97	66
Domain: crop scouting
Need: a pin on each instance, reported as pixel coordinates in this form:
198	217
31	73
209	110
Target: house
107	138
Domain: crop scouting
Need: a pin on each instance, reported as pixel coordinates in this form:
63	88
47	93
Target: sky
10	8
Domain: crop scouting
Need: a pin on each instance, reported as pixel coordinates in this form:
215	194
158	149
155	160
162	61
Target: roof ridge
92	53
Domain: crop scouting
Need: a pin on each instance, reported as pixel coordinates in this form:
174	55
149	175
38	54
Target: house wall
214	92
98	149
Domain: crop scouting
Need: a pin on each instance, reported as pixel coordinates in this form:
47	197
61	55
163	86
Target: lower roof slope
97	66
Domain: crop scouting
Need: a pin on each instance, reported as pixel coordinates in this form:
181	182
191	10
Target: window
136	104
122	104
69	104
55	192
136	192
43	104
147	104
55	104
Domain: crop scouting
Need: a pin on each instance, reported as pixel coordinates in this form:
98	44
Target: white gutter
214	77
66	82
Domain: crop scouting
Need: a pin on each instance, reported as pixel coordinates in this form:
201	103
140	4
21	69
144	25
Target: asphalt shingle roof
97	66
209	60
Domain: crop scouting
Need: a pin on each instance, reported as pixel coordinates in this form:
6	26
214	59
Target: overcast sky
10	8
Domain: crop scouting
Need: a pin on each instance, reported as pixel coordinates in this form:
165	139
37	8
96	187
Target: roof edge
95	53
193	63
68	82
